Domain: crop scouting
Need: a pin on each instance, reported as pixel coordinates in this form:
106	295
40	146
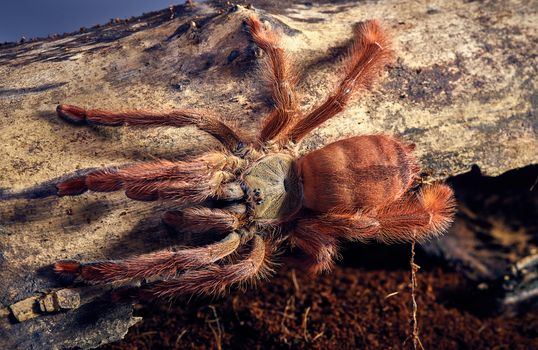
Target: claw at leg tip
71	113
70	267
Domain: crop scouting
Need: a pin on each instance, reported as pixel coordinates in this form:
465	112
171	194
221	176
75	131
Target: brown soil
364	305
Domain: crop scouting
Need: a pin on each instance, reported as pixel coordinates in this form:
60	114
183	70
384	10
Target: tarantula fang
260	195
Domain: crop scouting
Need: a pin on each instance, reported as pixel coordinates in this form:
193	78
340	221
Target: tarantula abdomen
359	172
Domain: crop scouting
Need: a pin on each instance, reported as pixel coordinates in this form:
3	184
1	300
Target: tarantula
259	194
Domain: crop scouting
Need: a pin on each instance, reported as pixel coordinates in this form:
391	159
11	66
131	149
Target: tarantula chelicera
259	194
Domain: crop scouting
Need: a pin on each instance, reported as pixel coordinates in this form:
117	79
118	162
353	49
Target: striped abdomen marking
359	172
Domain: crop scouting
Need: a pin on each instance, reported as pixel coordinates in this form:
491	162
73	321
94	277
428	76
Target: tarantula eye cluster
257	197
358	188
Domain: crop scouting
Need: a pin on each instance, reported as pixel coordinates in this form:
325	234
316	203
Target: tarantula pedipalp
260	195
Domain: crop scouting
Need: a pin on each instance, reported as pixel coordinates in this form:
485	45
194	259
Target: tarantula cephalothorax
260	194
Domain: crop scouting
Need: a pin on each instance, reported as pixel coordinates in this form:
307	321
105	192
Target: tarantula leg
319	250
368	55
201	219
197	191
195	180
162	263
204	120
213	279
281	78
413	217
418	217
48	188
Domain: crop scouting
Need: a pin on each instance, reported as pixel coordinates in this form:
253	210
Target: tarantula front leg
184	181
368	55
213	279
202	219
204	120
281	78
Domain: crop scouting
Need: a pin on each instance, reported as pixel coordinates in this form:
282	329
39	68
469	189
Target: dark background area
34	18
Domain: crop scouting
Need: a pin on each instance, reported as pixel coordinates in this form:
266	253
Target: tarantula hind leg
317	251
413	217
158	264
417	217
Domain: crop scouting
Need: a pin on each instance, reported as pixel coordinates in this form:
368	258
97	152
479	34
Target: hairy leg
368	55
318	250
419	217
204	120
212	279
281	78
162	263
190	190
194	181
412	217
201	219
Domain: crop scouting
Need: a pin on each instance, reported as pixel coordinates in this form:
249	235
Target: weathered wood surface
463	88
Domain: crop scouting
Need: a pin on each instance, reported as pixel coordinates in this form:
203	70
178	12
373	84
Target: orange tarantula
260	195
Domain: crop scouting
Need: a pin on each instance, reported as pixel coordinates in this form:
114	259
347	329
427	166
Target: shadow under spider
33	211
104	136
148	235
